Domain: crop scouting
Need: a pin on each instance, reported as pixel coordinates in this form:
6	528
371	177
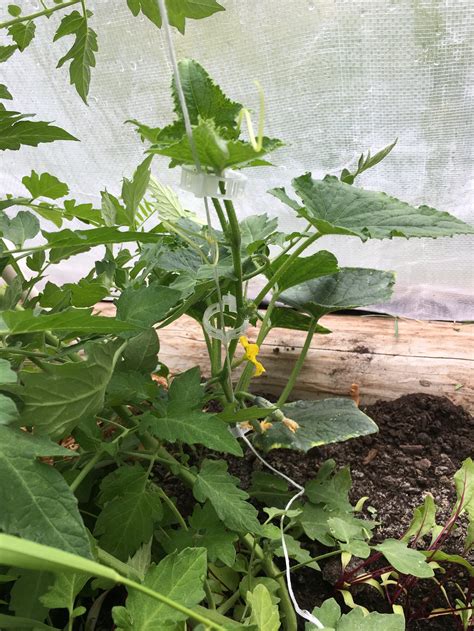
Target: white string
189	132
304	613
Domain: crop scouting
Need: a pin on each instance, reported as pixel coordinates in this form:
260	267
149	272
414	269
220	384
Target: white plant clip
225	335
207	184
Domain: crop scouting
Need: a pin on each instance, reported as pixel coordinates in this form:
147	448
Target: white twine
189	132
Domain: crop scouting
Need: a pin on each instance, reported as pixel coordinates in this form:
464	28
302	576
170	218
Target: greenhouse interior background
339	77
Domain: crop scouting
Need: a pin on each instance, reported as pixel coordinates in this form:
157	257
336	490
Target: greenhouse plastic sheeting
340	76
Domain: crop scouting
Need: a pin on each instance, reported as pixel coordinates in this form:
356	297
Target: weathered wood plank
431	357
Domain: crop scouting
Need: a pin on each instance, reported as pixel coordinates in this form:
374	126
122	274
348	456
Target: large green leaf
16	131
206	531
133	190
22	227
7	375
229	501
8	411
132	506
22	33
350	287
52	517
20	622
65	243
193	427
141	354
45	185
6	52
76	320
58	400
321	423
214	151
405	559
178	10
62	593
179	576
204	98
304	268
329	614
338	208
26	593
29	555
145	306
285	318
81	54
264	614
185	421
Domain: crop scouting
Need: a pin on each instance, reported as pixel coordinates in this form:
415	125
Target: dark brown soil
422	441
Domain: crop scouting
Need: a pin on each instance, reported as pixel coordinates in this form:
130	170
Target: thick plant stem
289	622
173	508
38	14
84	472
298	365
229	603
220	214
119	566
236	244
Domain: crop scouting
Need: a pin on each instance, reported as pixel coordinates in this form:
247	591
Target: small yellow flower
251	352
264	425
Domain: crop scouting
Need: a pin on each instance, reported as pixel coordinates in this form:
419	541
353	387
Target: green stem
172	506
119	566
236	244
189	613
321	557
84	472
229	603
38	14
284	266
298	365
209	596
220	215
272	571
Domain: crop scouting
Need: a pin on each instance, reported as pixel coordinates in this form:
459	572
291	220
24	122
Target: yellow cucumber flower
251	352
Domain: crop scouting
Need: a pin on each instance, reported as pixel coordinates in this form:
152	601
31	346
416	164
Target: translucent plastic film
339	77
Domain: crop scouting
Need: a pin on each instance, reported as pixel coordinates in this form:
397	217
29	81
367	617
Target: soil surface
421	443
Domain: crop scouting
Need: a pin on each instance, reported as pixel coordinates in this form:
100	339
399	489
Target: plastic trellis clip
225	335
207	184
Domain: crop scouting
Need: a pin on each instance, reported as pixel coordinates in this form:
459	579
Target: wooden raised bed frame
384	356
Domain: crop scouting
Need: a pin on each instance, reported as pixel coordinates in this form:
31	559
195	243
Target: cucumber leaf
320	423
335	207
350	287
